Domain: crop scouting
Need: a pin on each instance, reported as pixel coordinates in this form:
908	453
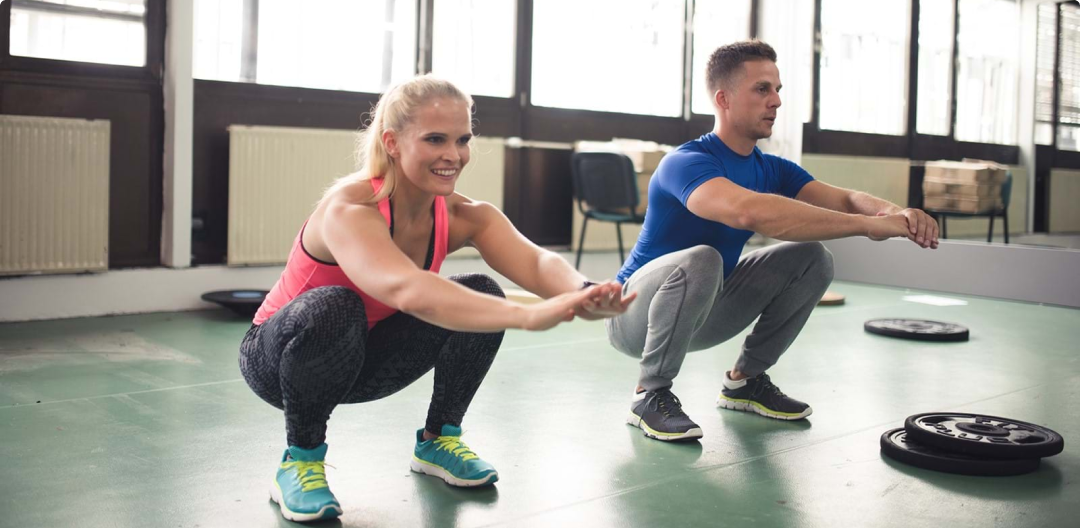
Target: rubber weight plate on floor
896	445
917	329
983	436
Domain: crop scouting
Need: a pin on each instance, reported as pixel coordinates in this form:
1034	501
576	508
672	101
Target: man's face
751	106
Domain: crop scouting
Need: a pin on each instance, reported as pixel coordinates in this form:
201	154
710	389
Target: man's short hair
725	64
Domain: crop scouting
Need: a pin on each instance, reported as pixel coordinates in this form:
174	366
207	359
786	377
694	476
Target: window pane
106	32
805	33
473	45
1069	101
609	55
1069	138
716	22
355	45
864	65
987	79
219	30
935	71
311	45
1045	46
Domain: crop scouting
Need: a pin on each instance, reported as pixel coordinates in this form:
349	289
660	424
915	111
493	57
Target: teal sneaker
300	486
448	458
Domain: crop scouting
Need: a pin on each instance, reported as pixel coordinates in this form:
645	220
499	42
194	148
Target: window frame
1049	157
153	70
911	145
95	91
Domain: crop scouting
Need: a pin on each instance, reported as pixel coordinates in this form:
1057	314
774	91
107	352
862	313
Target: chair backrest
606	181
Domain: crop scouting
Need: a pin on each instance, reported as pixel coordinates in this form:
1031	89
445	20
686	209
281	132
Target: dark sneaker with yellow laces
759	395
448	458
659	415
300	487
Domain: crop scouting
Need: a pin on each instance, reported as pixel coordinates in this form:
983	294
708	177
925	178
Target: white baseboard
123	291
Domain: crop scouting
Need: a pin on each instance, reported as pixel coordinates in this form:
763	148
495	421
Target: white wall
888	178
1064	201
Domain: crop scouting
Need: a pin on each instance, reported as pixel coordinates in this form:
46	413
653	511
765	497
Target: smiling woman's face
431	152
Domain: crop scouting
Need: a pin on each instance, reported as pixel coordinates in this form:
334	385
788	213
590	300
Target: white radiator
277	174
54	195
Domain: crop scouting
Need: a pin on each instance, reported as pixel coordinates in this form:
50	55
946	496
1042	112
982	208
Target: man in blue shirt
694	291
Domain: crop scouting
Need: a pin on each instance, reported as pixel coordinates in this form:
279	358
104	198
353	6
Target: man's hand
886	226
922	228
605	300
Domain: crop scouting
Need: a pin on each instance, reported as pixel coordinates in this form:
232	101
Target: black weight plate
896	445
917	329
243	302
983	436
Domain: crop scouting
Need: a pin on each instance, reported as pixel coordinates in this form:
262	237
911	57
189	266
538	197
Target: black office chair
1002	211
605	186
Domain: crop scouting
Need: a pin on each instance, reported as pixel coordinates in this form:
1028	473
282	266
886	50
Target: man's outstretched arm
782	218
922	228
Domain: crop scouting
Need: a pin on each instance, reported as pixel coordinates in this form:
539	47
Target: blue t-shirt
670	226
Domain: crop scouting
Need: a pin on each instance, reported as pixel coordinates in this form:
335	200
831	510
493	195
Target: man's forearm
870	205
791	220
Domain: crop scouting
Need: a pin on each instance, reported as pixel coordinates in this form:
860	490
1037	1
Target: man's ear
722	99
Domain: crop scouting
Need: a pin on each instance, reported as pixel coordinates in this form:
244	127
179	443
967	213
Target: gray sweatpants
684	304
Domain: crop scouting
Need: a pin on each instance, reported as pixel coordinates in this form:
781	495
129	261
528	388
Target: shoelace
766	385
667	403
455	446
312	474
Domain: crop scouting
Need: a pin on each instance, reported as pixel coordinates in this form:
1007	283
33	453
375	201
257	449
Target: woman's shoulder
460	206
354	189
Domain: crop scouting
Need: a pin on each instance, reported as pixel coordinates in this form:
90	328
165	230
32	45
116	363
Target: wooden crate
961	203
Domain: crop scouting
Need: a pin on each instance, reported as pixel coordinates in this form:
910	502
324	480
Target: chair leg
944	230
1005	220
618	235
990	234
581	242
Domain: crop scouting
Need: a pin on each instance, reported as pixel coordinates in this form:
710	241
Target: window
106	32
1045	47
473	45
353	45
864	66
934	114
609	55
987	79
716	22
218	34
805	61
1069	101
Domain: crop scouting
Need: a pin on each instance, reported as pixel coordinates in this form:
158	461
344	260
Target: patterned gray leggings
316	352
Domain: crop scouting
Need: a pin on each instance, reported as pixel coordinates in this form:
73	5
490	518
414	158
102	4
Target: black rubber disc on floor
243	302
917	329
896	445
983	436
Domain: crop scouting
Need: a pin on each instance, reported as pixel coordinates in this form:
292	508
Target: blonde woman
360	311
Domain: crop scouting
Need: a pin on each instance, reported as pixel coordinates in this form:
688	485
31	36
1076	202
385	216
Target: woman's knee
330	308
329	322
485	343
479	282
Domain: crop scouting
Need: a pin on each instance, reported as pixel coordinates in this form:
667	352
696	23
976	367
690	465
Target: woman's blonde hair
395	110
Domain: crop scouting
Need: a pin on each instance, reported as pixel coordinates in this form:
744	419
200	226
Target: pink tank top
303	272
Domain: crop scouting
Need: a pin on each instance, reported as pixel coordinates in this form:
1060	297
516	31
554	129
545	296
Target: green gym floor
145	421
